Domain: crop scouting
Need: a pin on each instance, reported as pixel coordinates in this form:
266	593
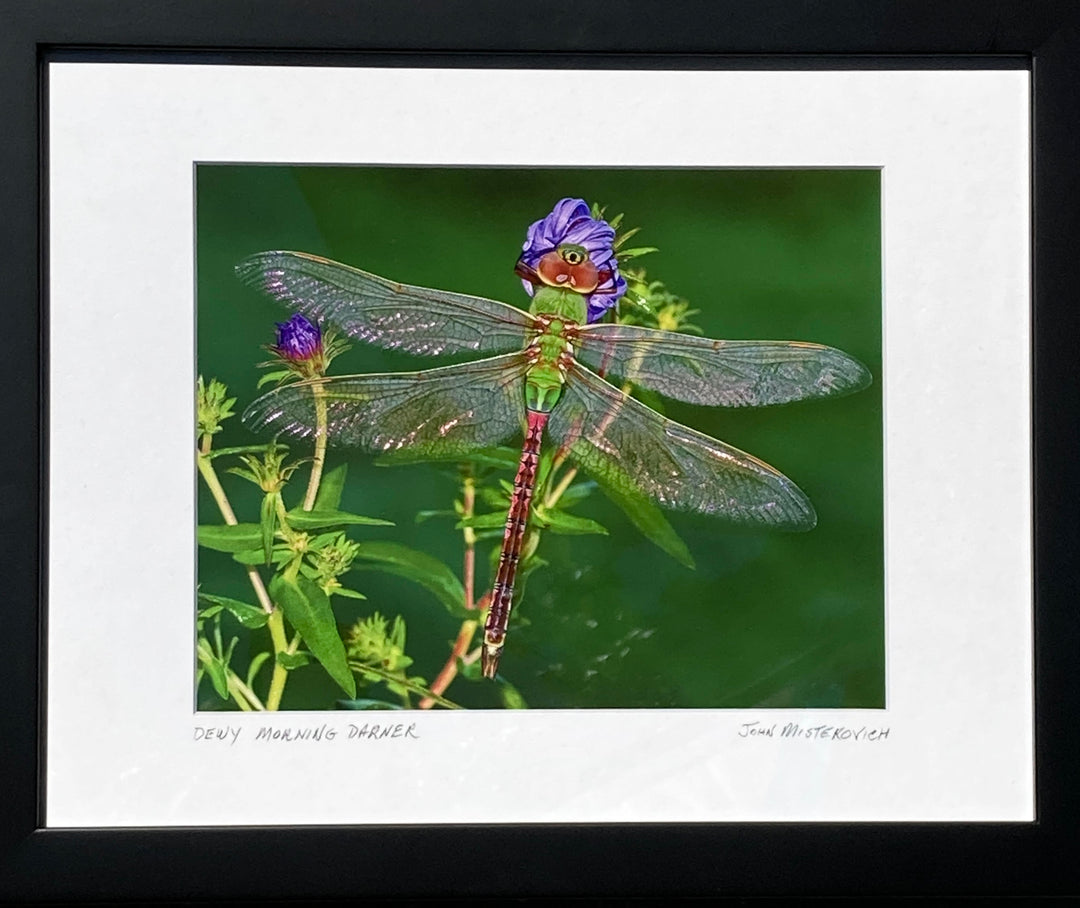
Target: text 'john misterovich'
368	731
814	732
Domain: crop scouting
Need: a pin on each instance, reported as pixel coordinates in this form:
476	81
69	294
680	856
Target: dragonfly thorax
560	303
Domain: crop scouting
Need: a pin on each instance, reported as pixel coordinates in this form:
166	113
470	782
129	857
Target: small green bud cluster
374	642
212	407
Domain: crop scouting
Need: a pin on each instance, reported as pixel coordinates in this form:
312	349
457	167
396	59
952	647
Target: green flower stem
240	701
276	623
245	693
468	627
468	495
206	468
563	485
360	667
320	447
283	519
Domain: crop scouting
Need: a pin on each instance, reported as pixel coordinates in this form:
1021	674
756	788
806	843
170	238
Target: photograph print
508	438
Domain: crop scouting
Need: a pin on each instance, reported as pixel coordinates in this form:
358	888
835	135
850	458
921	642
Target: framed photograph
547	455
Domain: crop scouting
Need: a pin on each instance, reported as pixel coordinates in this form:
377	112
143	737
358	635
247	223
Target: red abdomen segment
502	595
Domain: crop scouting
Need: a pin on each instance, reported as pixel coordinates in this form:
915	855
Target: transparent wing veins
435	414
622	441
720	373
374	309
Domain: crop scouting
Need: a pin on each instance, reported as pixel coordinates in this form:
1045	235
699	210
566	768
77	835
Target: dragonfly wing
384	312
621	441
435	414
720	373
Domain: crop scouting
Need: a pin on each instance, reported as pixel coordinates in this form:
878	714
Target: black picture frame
666	859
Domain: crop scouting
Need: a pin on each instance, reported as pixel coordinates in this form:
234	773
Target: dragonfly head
568	265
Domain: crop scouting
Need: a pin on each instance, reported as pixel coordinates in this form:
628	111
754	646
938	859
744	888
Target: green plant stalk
468	627
283	519
276	624
236	686
360	667
275	621
209	475
240	701
320	448
238	695
468	501
563	485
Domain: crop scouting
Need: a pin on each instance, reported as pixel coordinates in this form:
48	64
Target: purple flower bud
571	221
298	339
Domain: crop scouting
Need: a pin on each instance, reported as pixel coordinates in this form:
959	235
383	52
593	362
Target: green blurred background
767	619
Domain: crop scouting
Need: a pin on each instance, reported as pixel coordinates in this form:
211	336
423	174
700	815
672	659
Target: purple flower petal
298	338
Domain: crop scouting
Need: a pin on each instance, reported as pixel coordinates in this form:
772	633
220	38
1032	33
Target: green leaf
571	525
210	611
251	616
308	609
322	540
575	493
493	497
365	703
482	521
647	518
289	661
314	520
280	555
543	470
422	516
348	594
470	671
256	663
267	520
510	696
625	236
238	537
214	669
241	449
525	571
218	677
328	498
635	252
429	572
273	376
244	474
501	458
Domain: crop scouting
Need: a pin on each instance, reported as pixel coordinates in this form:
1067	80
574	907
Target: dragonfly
547	372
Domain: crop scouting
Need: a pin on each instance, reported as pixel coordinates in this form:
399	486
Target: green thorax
544	379
561	302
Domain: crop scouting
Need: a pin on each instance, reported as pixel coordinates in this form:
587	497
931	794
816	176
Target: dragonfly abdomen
517	519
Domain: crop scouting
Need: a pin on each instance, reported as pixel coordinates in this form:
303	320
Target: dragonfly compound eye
556	270
571	254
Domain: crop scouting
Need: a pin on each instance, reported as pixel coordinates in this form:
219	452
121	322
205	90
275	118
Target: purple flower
572	223
298	339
